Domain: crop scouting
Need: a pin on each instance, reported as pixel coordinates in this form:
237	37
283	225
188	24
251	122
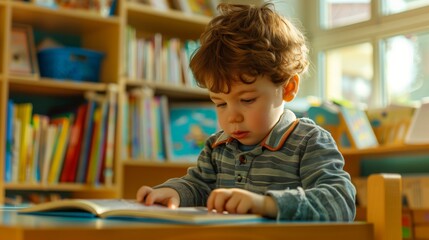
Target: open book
132	210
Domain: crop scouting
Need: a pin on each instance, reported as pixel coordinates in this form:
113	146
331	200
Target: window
349	73
396	6
406	68
384	60
336	13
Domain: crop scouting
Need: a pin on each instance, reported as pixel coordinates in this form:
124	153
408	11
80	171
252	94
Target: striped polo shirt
298	164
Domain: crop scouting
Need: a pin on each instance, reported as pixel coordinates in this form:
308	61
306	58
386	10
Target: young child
265	160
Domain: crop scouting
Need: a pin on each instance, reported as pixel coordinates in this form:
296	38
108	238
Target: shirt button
242	160
239	178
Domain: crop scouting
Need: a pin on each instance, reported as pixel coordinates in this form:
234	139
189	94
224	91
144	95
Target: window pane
406	68
396	6
337	13
349	73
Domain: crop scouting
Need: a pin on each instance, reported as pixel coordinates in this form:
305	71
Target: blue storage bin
70	63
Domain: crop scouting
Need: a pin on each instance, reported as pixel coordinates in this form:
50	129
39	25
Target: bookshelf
354	156
104	34
170	24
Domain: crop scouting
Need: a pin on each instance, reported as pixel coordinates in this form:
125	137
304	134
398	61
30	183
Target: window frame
377	28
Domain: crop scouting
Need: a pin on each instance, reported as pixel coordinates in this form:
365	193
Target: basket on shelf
70	63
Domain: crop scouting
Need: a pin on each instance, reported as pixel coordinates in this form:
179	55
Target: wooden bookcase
105	34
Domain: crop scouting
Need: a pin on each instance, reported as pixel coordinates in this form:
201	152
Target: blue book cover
191	124
9	142
359	128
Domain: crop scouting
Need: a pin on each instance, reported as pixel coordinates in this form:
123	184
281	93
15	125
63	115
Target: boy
265	160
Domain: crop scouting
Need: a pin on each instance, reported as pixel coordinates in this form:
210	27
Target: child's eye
248	100
220	105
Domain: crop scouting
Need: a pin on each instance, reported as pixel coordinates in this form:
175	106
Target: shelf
66	187
69	21
387	150
171	22
53	87
171	90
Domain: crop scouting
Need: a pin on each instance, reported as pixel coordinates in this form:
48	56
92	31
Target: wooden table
384	223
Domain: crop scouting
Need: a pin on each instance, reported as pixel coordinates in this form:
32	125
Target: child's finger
142	193
173	203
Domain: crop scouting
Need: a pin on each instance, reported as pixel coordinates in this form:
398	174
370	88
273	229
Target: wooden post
385	206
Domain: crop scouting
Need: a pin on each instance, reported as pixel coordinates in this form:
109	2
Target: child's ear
290	89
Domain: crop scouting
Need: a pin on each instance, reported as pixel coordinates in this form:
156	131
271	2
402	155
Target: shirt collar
275	138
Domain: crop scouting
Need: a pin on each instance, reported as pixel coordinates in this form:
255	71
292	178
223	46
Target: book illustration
190	126
418	132
132	210
358	127
390	124
327	116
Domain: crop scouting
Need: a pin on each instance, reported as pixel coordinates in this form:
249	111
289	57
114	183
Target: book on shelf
418	132
186	53
24	111
391	123
34	170
159	127
83	161
105	8
107	175
124	129
75	143
158	58
132	210
358	127
190	125
49	142
60	147
157	4
9	142
97	143
199	7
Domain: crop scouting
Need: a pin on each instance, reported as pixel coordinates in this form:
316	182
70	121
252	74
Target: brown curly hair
245	41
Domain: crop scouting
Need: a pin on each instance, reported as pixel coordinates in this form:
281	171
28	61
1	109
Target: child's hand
164	196
241	201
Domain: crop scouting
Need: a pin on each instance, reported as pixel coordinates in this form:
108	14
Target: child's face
249	111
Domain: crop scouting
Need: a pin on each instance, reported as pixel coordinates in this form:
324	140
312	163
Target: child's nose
235	116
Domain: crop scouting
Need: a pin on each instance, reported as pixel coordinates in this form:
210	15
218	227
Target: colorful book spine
34	159
70	161
63	124
24	115
110	138
125	113
51	139
84	153
9	142
98	137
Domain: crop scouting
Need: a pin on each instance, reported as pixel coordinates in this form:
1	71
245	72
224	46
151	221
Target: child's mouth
240	134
